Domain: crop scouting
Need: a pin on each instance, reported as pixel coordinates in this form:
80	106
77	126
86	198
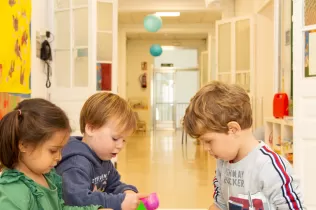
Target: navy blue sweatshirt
88	180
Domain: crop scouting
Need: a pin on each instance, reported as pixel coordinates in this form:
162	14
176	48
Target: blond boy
89	176
249	175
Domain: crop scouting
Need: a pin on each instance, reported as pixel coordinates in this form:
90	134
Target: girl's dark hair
34	121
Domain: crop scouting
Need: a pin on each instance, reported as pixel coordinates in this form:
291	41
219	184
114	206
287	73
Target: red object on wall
280	105
143	80
106	75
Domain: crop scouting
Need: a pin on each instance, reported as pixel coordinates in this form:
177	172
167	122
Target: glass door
164	105
224	52
71	48
243	59
187	83
235	52
85	35
71	71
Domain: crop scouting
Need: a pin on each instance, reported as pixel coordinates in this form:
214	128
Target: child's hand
131	201
129	192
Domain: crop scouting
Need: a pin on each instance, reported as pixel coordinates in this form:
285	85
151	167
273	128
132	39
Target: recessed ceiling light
168	47
168	14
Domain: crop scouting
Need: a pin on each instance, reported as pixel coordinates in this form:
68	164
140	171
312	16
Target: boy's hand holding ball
129	192
132	200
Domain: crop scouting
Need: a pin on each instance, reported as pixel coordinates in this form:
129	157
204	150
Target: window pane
205	69
62	68
81	27
104	47
164	84
224	48
104	16
61	4
81	68
62	25
180	58
76	3
226	78
243	80
242	45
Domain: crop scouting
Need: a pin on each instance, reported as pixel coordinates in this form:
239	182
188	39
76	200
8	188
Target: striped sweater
262	180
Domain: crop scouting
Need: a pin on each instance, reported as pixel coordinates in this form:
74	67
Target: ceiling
161	36
205	16
200	15
168	5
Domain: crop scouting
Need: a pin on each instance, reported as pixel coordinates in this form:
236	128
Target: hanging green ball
155	50
152	23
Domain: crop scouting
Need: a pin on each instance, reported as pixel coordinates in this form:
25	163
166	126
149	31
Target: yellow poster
15	46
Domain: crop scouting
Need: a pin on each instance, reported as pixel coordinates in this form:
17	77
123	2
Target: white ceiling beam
156	6
170	28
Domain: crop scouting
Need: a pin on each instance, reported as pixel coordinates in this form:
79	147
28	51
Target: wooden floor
182	176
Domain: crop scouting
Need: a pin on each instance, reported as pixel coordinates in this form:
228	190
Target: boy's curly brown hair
214	106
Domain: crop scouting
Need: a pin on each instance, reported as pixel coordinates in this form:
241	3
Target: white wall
246	7
39	21
180	58
264	64
138	51
121	64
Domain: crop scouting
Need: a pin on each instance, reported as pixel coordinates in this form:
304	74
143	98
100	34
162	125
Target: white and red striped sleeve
217	196
279	184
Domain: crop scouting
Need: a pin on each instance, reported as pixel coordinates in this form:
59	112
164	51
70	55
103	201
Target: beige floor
157	162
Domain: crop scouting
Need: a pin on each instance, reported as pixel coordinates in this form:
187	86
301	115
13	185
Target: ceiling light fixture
168	47
168	14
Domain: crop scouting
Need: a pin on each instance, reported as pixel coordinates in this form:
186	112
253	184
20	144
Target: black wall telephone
46	51
46	56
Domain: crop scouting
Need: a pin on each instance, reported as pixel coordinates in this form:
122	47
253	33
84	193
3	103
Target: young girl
31	139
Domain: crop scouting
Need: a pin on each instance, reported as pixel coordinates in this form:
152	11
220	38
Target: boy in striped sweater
249	175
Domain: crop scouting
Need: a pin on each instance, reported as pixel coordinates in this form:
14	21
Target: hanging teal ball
155	50
152	23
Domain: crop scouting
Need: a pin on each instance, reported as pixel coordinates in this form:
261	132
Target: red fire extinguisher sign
143	80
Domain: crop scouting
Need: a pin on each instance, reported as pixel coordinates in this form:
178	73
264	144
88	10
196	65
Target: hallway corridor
182	176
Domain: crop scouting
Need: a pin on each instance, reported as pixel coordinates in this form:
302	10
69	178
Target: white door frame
202	68
64	96
304	136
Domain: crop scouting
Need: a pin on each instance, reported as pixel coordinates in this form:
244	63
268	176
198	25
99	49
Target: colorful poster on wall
8	102
15	46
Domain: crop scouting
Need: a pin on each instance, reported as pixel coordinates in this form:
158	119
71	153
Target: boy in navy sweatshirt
89	176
